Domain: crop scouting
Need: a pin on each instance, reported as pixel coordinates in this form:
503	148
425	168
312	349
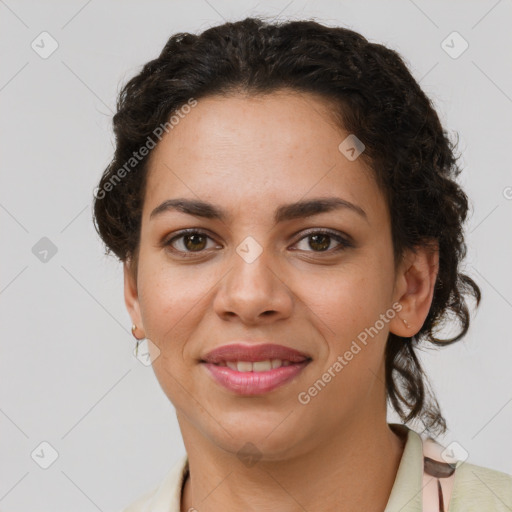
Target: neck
353	471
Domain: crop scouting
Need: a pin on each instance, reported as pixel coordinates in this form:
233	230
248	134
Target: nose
254	293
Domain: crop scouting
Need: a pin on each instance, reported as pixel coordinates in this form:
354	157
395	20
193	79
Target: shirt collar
406	494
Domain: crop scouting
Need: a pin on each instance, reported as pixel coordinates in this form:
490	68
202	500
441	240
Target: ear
414	288
131	297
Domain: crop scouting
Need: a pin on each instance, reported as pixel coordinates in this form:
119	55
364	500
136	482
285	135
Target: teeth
244	366
276	363
257	366
261	366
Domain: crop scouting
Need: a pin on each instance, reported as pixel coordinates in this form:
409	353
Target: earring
407	324
134	327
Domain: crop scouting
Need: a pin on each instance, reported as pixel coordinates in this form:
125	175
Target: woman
283	200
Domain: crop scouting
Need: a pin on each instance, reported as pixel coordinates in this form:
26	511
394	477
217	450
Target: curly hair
373	95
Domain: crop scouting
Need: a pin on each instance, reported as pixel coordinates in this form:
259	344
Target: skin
248	155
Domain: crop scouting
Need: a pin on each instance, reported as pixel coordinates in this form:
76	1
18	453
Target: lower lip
254	383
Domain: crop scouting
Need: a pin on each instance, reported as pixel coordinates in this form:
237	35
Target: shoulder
471	488
480	488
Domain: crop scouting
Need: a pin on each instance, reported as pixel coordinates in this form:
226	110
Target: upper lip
252	353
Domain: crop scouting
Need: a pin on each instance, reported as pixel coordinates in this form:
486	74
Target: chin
264	440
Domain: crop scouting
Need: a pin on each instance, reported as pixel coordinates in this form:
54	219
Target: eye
189	241
321	239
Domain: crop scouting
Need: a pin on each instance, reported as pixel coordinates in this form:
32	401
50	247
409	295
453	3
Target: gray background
68	375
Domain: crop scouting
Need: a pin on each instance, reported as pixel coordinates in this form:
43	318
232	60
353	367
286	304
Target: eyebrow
287	212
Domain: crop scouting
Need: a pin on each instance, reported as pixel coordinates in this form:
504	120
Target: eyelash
343	242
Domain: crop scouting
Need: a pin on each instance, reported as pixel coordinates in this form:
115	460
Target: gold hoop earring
134	327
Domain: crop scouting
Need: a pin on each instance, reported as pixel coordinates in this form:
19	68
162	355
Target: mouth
254	369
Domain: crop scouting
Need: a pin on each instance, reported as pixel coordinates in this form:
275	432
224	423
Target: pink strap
438	478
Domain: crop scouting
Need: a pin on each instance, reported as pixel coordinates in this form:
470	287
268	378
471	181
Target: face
313	283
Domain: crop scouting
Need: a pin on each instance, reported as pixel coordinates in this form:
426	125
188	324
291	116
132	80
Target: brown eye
191	241
194	242
321	241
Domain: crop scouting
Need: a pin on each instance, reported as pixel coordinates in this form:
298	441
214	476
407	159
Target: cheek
166	297
345	300
173	301
168	306
347	308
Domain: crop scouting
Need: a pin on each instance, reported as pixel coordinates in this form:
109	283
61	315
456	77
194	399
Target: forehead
257	149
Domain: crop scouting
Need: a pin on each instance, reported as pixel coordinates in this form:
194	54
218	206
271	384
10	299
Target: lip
252	353
254	383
